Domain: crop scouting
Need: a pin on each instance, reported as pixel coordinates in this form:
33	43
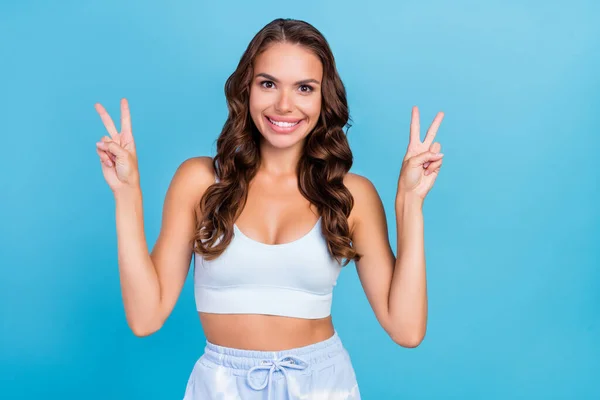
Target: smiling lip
281	129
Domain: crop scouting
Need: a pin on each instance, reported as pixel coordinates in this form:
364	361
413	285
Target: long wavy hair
325	160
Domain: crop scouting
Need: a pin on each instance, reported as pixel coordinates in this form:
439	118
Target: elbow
143	330
408	339
408	343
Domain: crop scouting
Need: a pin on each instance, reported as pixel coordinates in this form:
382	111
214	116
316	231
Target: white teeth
284	124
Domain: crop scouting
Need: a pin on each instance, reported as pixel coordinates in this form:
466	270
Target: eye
266	84
308	88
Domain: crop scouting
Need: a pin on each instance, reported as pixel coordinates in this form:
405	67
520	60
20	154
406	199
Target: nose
284	102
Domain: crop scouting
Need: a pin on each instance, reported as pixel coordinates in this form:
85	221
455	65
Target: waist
264	332
244	359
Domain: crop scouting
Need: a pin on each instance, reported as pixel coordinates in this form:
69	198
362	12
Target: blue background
512	224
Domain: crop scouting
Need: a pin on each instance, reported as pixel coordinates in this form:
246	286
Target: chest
276	214
304	264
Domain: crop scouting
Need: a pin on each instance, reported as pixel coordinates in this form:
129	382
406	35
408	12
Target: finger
107	120
113	148
125	119
105	155
435	148
415	136
104	158
110	155
432	131
434	174
428	156
434	166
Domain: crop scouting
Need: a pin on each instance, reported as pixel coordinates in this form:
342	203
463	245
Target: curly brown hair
325	160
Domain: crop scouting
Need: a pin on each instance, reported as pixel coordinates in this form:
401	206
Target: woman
271	221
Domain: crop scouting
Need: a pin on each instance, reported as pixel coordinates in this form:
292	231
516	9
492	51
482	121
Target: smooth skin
275	213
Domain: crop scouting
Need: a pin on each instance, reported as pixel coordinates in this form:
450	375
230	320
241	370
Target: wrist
127	193
409	200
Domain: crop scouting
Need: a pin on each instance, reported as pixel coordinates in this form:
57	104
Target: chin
283	142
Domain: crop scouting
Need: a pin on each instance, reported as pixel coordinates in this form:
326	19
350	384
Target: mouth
283	126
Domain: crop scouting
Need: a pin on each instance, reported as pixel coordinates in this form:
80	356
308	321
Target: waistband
246	359
251	299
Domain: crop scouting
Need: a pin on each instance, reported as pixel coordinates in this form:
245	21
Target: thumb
425	157
113	148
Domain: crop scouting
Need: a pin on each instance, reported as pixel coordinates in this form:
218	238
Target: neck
279	162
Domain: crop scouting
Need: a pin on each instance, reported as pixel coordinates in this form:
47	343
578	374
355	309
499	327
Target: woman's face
285	94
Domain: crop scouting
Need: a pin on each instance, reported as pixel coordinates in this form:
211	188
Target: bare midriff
264	332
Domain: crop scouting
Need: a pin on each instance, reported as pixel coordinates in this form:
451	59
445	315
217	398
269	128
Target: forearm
140	287
408	293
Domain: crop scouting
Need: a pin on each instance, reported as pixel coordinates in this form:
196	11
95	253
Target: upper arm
370	239
172	252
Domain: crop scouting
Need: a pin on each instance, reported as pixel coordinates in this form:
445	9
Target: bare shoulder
197	169
361	188
193	176
366	198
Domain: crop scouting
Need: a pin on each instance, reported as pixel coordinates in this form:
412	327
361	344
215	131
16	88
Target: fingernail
440	154
108	163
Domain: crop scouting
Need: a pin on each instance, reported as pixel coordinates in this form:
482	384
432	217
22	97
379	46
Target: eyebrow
302	82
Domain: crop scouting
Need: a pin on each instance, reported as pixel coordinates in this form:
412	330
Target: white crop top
293	279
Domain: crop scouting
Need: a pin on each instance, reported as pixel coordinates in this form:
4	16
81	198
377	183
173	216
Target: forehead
289	62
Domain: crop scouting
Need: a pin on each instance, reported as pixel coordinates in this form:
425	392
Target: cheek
317	107
256	105
311	107
315	112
